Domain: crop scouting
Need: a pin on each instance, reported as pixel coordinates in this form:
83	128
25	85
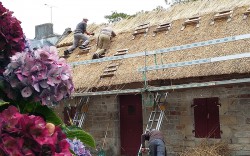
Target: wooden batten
113	65
140	29
162	27
223	15
191	21
107	75
121	52
85	50
110	70
246	14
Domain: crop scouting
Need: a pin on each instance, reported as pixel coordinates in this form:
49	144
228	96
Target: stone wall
178	125
102	118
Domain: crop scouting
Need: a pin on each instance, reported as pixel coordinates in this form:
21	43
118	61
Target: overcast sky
67	13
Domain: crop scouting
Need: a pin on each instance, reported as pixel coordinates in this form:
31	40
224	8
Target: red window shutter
206	118
200	118
213	120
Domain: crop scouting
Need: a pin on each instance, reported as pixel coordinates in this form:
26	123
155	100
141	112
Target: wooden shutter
213	120
206	118
200	116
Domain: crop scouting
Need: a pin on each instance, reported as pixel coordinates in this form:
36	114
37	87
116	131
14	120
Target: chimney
43	31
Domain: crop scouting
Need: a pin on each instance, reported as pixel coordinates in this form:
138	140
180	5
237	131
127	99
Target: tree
115	16
178	1
159	8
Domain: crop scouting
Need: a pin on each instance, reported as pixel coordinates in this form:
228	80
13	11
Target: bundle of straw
206	149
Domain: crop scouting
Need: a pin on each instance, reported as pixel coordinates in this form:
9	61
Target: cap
85	19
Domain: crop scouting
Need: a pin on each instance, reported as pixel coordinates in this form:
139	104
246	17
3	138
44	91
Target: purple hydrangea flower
39	75
78	148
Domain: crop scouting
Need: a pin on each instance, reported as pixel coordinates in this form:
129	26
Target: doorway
131	124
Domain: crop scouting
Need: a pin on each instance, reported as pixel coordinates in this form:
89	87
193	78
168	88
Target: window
206	117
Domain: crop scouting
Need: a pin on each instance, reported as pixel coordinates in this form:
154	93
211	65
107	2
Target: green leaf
1	83
73	127
48	114
3	103
80	134
72	152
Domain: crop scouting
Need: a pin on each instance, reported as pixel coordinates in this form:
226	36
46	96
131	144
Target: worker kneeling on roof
103	41
80	33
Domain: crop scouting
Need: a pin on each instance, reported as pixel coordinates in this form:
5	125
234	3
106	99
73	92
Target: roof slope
88	76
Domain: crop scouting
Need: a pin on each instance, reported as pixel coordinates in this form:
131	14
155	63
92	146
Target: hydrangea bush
12	39
30	81
39	75
22	134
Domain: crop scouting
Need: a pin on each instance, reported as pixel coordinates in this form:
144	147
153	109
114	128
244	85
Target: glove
143	150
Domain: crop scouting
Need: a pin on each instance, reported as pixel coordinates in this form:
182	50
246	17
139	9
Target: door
130	124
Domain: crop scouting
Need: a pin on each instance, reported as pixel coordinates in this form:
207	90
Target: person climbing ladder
156	143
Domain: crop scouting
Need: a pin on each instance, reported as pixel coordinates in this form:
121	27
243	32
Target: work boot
95	56
66	52
82	46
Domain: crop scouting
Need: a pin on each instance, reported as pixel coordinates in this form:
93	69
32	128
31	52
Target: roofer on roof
79	34
103	41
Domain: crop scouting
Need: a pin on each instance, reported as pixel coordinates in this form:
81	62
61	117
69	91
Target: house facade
198	56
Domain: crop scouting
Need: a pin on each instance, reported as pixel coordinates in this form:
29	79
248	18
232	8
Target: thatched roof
88	76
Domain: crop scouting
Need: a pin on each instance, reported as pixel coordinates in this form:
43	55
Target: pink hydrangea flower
40	75
12	39
22	134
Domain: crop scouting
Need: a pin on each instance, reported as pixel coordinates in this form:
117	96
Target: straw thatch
206	149
88	76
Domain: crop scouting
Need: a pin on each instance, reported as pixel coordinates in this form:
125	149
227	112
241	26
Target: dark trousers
157	148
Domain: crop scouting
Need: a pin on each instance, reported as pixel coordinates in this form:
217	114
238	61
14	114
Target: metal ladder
81	110
156	115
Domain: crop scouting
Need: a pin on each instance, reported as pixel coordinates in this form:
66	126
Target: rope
155	59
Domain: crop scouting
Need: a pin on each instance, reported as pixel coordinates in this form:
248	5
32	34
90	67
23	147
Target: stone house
197	52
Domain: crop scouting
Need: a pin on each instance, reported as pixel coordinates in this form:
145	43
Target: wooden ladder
223	15
162	27
191	21
141	29
109	71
